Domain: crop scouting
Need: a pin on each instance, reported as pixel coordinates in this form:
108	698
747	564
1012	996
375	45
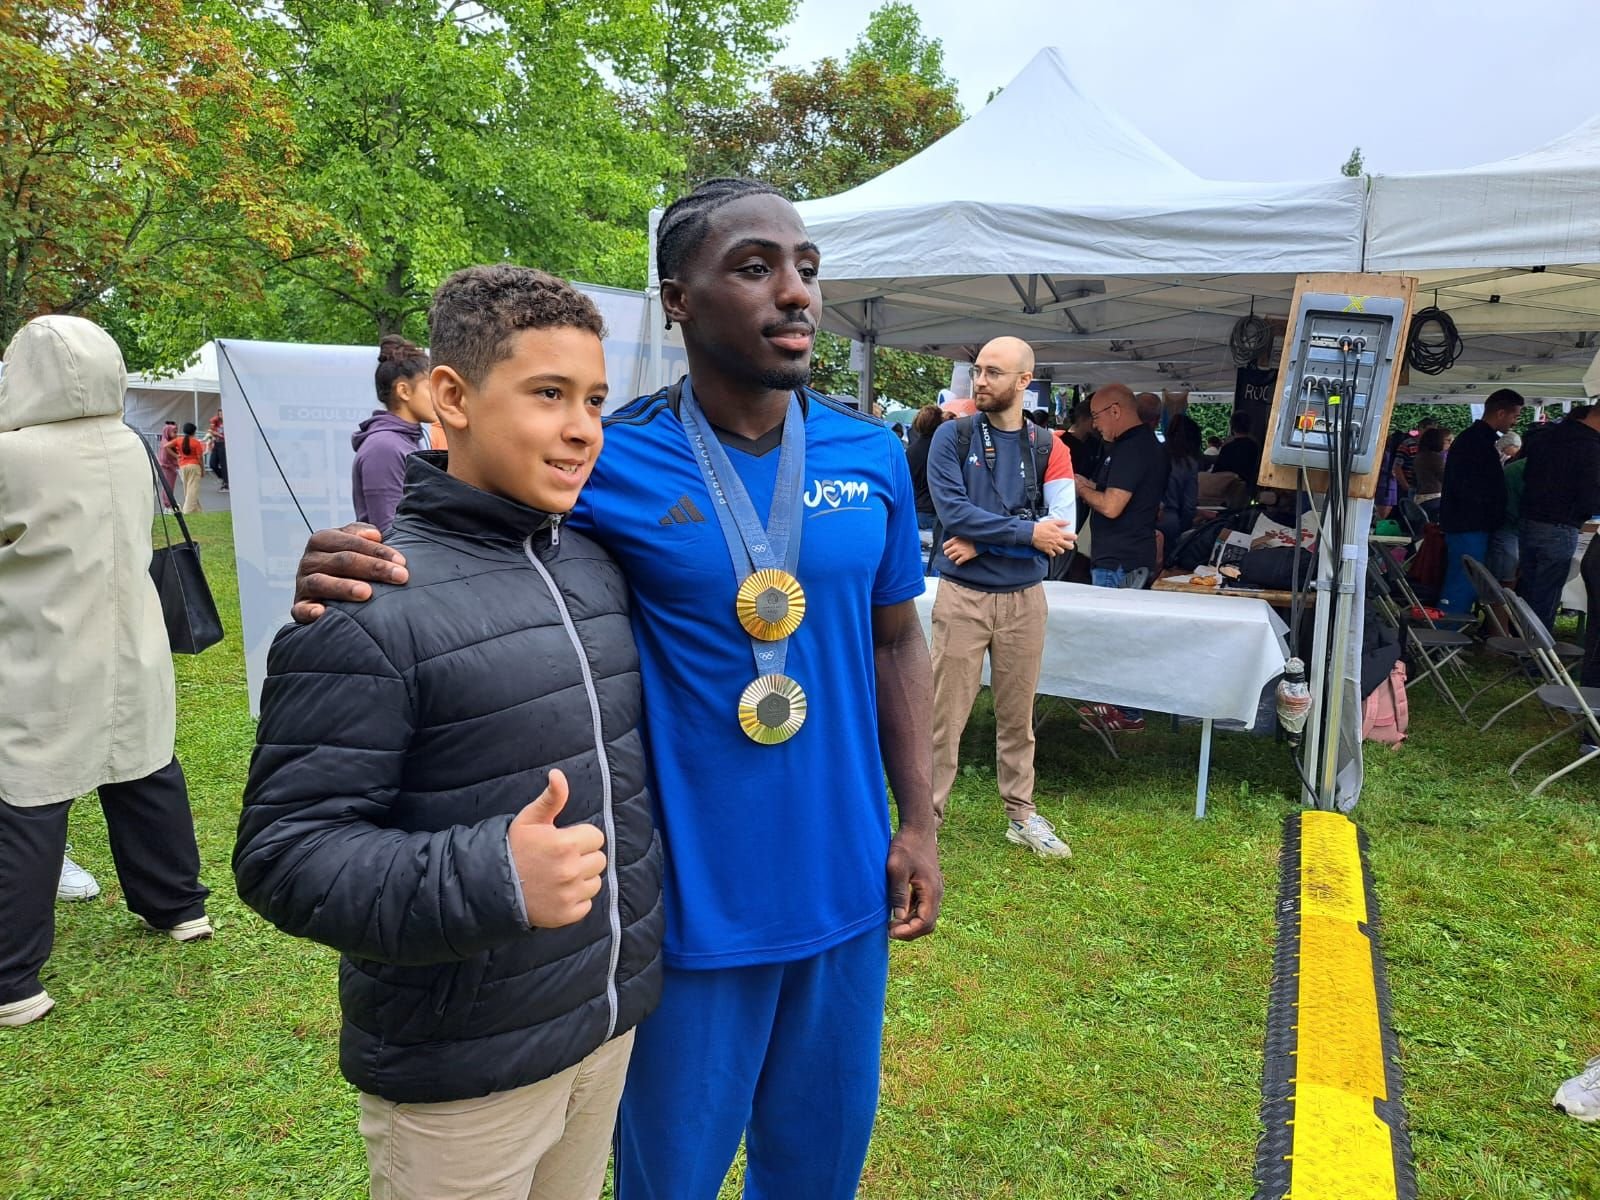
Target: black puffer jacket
398	738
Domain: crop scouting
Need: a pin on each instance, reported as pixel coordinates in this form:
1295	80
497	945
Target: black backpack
1056	568
1195	546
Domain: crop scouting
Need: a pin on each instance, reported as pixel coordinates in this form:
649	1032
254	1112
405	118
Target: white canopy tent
1511	249
192	394
1048	216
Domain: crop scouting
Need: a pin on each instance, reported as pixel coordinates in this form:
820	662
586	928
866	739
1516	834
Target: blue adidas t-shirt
773	852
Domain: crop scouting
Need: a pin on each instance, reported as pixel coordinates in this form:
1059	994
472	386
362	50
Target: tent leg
869	345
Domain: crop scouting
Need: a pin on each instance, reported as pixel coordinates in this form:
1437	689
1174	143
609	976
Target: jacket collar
437	499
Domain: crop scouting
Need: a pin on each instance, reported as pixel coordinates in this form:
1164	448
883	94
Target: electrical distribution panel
1341	356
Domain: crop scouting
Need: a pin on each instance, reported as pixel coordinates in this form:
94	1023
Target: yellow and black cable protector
1333	1124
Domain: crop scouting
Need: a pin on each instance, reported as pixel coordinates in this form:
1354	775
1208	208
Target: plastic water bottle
1294	700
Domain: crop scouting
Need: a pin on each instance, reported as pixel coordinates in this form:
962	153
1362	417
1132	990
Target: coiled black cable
1250	339
1433	345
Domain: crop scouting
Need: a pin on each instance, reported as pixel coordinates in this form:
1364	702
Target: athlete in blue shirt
773	811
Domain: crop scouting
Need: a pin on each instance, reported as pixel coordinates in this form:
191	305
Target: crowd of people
1518	503
595	802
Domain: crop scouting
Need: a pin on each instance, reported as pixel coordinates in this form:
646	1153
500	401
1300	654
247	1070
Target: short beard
786	379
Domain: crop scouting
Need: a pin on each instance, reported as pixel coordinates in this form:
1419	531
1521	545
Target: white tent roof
199	375
1511	249
192	394
1048	216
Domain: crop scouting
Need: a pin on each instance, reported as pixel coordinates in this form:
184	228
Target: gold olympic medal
770	604
772	709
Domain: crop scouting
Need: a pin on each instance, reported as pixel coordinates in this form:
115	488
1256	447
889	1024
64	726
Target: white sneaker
184	931
76	883
1038	835
20	1012
1580	1096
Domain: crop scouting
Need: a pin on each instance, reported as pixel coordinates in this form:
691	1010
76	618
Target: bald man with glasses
1002	489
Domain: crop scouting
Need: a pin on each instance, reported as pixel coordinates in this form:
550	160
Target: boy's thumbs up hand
560	868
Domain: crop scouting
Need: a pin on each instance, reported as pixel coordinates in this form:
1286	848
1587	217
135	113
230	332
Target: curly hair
477	311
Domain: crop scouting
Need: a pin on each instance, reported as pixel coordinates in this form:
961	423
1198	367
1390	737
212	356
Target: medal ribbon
753	546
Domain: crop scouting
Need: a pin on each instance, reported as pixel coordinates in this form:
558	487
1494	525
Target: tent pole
869	346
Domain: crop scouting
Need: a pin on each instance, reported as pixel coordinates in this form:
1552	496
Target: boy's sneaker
184	931
1038	835
1580	1096
21	1012
76	883
1111	718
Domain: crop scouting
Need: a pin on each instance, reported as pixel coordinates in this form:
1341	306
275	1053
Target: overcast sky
1228	87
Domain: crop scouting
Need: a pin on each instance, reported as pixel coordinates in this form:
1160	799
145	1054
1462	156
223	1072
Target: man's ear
450	397
674	301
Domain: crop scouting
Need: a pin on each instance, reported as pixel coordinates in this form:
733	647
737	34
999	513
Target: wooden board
1277	599
1364	486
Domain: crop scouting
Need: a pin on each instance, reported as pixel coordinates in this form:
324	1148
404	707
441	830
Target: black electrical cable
1433	345
1250	339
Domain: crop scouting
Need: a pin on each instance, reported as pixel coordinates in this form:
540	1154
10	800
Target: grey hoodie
377	477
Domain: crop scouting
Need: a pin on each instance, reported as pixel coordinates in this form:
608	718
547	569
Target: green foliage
1353	165
1033	1044
894	40
912	379
144	165
691	56
445	137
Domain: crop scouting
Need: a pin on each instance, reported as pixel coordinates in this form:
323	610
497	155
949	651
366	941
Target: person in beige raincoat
86	688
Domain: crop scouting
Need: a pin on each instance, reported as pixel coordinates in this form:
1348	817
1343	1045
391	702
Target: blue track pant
784	1055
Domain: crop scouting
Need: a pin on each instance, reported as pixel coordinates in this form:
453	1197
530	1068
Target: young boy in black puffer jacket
449	781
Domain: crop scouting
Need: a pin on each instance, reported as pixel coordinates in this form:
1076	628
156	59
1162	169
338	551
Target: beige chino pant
190	475
546	1141
1009	627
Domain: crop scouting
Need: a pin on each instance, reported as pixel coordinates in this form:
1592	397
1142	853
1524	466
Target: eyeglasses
991	373
1103	409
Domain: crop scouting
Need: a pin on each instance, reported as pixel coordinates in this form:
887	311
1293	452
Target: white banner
290	410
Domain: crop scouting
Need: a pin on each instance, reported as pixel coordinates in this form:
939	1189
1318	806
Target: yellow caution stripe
1333	1125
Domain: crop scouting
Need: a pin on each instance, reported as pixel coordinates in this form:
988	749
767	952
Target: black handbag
186	604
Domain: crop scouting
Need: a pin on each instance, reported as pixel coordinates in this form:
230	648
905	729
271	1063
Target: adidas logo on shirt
683	513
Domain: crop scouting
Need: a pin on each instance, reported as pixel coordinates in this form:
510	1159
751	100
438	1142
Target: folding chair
1491	595
1561	695
1430	647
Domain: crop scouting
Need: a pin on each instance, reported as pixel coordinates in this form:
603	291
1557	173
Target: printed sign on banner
290	411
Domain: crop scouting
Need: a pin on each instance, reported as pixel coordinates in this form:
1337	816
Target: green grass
1087	1029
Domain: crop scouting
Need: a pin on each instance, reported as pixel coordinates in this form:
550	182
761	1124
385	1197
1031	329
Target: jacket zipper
613	901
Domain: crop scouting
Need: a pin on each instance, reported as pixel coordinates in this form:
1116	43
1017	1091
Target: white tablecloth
1197	656
1574	595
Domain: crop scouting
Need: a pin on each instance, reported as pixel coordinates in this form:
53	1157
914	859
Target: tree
695	55
448	134
821	131
893	39
1353	165
143	161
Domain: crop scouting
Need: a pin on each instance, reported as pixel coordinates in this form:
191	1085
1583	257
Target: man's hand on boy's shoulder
559	867
338	565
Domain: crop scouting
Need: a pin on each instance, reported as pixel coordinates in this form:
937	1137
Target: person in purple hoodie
389	436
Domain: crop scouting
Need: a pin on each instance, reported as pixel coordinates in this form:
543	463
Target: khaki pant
1009	626
546	1141
190	474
